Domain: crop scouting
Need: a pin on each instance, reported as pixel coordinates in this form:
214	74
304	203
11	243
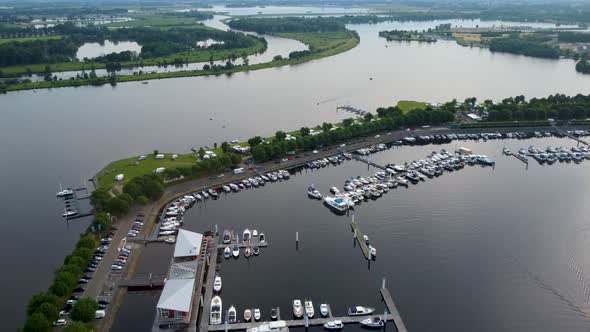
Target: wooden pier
149	281
211	271
569	135
521	158
359	239
370	163
391	307
352	109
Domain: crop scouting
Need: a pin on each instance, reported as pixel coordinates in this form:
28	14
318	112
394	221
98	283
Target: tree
326	126
87	241
37	322
259	153
84	310
59	288
347	122
304	131
99	198
38	299
225	147
142	200
368	117
117	205
76	327
49	310
67	278
280	135
254	141
201	152
83	253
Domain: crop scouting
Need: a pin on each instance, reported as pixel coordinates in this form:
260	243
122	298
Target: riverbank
324	44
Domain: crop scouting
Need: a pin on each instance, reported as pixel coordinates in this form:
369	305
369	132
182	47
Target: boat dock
392	308
358	235
569	135
73	202
235	239
370	163
214	258
352	109
150	281
521	158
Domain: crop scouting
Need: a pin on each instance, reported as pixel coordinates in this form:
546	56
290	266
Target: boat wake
577	268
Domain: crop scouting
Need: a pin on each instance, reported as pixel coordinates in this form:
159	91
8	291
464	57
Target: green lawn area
408	105
320	41
26	39
154	20
133	167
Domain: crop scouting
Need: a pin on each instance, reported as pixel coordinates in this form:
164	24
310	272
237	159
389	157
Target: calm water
93	50
66	135
481	249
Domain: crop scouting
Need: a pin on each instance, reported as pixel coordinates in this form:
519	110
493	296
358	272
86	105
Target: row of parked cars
137	226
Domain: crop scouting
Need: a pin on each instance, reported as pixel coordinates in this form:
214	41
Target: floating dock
568	135
391	307
366	161
358	235
521	158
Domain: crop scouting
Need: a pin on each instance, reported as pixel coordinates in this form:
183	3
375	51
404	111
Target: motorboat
69	213
247	315
360	310
232	317
170	240
366	238
256	314
236	251
337	204
507	151
297	309
226	237
247	252
217	283
324	310
226	188
255	250
254	233
334	190
227	252
309	311
65	193
246	236
373	252
334	325
373	322
312	192
261	237
273	314
215	315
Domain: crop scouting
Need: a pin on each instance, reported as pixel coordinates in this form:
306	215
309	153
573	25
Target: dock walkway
205	313
366	161
569	135
395	316
359	239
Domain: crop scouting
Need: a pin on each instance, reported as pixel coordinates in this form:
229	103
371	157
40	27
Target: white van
239	170
99	314
160	156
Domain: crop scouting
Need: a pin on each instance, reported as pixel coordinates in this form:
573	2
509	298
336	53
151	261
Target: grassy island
401	35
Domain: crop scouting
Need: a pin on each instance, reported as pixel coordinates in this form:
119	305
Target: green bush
38	299
49	310
60	289
37	322
76	327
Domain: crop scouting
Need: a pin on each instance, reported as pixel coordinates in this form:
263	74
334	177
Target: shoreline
176	190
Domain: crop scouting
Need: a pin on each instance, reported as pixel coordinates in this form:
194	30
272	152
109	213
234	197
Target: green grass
154	20
133	167
327	44
26	39
408	105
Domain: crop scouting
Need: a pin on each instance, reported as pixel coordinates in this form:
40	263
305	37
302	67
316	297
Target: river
65	135
480	249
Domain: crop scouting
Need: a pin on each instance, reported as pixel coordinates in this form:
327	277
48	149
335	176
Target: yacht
334	325
232	317
247	252
309	311
373	252
256	314
217	283
246	236
273	314
373	322
324	310
337	204
65	193
254	233
69	213
261	237
226	237
255	250
227	252
297	309
360	310
247	315
366	238
313	192
215	316
236	251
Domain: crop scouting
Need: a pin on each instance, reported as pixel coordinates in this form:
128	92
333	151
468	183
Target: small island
401	35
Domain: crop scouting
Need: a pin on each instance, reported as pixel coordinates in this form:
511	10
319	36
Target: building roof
183	270
177	295
187	244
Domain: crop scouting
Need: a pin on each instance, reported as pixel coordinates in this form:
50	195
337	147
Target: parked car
71	302
64	313
78	289
60	322
89	269
83	281
100	314
103	302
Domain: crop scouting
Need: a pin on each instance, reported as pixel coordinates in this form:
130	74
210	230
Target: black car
102	306
105	302
89	269
73	297
78	289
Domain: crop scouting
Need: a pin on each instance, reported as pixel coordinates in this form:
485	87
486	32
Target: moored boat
373	322
333	325
360	310
297	309
215	315
309	310
256	314
232	317
217	283
246	236
247	315
236	251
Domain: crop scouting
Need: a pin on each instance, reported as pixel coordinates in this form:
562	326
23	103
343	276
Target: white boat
255	250
312	192
373	252
337	204
232	317
69	213
65	192
297	309
261	237
273	314
226	237
334	190
247	315
309	311
247	252
366	238
278	326
246	236
236	251
334	325
215	315
256	314
324	310
254	233
170	240
227	252
374	322
217	284
360	310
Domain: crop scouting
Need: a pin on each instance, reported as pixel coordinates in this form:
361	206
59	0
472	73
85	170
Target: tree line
573	37
530	46
557	106
288	24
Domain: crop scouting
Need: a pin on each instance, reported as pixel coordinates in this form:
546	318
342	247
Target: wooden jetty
569	135
370	163
359	238
149	281
391	307
521	158
206	310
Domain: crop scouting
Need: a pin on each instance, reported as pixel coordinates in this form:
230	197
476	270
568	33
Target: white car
314	151
377	136
63	313
100	314
60	322
70	302
116	267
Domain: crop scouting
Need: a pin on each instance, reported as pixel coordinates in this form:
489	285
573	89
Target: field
154	20
26	39
133	167
408	105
